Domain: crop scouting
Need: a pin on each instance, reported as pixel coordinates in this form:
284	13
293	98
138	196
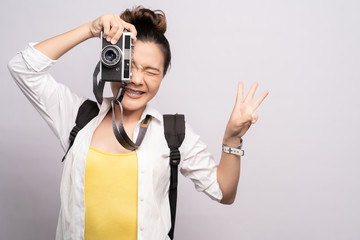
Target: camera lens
111	55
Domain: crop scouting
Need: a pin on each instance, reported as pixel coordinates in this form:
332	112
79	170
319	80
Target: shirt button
142	199
141	228
142	171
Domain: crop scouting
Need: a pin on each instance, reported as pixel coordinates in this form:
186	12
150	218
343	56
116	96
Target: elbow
228	193
228	200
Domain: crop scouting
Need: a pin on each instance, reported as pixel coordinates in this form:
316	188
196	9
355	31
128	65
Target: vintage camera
115	64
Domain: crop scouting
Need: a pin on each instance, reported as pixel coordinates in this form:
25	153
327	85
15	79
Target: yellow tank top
111	195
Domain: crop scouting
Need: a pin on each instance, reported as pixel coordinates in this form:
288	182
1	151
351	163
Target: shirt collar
152	112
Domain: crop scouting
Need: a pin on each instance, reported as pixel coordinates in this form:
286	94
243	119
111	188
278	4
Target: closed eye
152	73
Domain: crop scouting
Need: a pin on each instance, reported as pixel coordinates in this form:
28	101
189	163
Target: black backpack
174	131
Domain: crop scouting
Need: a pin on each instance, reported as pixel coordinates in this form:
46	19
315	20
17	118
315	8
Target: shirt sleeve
199	165
56	104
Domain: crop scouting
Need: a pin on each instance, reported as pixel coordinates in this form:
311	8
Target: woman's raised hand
243	114
112	26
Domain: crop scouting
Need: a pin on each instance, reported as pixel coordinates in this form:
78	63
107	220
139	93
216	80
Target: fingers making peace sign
243	114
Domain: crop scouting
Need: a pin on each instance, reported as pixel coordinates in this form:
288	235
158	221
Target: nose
137	77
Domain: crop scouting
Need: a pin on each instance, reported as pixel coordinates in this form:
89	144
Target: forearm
57	46
228	172
241	118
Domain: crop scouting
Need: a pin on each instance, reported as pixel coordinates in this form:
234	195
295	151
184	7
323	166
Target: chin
131	106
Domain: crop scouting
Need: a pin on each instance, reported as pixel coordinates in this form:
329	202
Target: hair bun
150	26
140	16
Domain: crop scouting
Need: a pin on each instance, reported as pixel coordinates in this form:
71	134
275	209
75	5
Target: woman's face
147	74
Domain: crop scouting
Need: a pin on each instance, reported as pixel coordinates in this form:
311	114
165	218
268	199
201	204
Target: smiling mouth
133	92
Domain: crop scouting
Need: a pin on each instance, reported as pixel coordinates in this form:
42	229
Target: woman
107	190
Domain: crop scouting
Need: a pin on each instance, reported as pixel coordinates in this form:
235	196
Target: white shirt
59	106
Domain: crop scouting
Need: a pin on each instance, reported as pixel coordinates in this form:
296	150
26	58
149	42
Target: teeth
133	92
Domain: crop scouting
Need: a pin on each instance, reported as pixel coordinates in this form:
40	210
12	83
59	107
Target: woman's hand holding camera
112	26
243	115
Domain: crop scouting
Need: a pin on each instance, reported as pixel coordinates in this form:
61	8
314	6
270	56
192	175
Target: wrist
232	141
88	33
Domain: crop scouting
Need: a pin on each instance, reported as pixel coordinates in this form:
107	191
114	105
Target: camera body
115	59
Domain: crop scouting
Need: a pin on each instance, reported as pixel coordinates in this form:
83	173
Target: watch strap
234	150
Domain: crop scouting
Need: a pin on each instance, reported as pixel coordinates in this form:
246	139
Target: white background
300	176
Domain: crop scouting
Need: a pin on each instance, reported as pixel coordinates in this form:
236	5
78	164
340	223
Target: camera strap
98	88
120	132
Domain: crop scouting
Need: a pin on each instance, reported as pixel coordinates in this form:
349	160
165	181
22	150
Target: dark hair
151	27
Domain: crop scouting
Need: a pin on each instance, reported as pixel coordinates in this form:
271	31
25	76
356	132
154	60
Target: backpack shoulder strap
174	127
87	111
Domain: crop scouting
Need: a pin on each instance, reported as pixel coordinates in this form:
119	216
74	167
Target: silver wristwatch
234	150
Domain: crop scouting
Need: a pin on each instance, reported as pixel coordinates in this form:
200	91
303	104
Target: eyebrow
148	67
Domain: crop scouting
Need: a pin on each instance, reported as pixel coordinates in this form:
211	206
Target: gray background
300	176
